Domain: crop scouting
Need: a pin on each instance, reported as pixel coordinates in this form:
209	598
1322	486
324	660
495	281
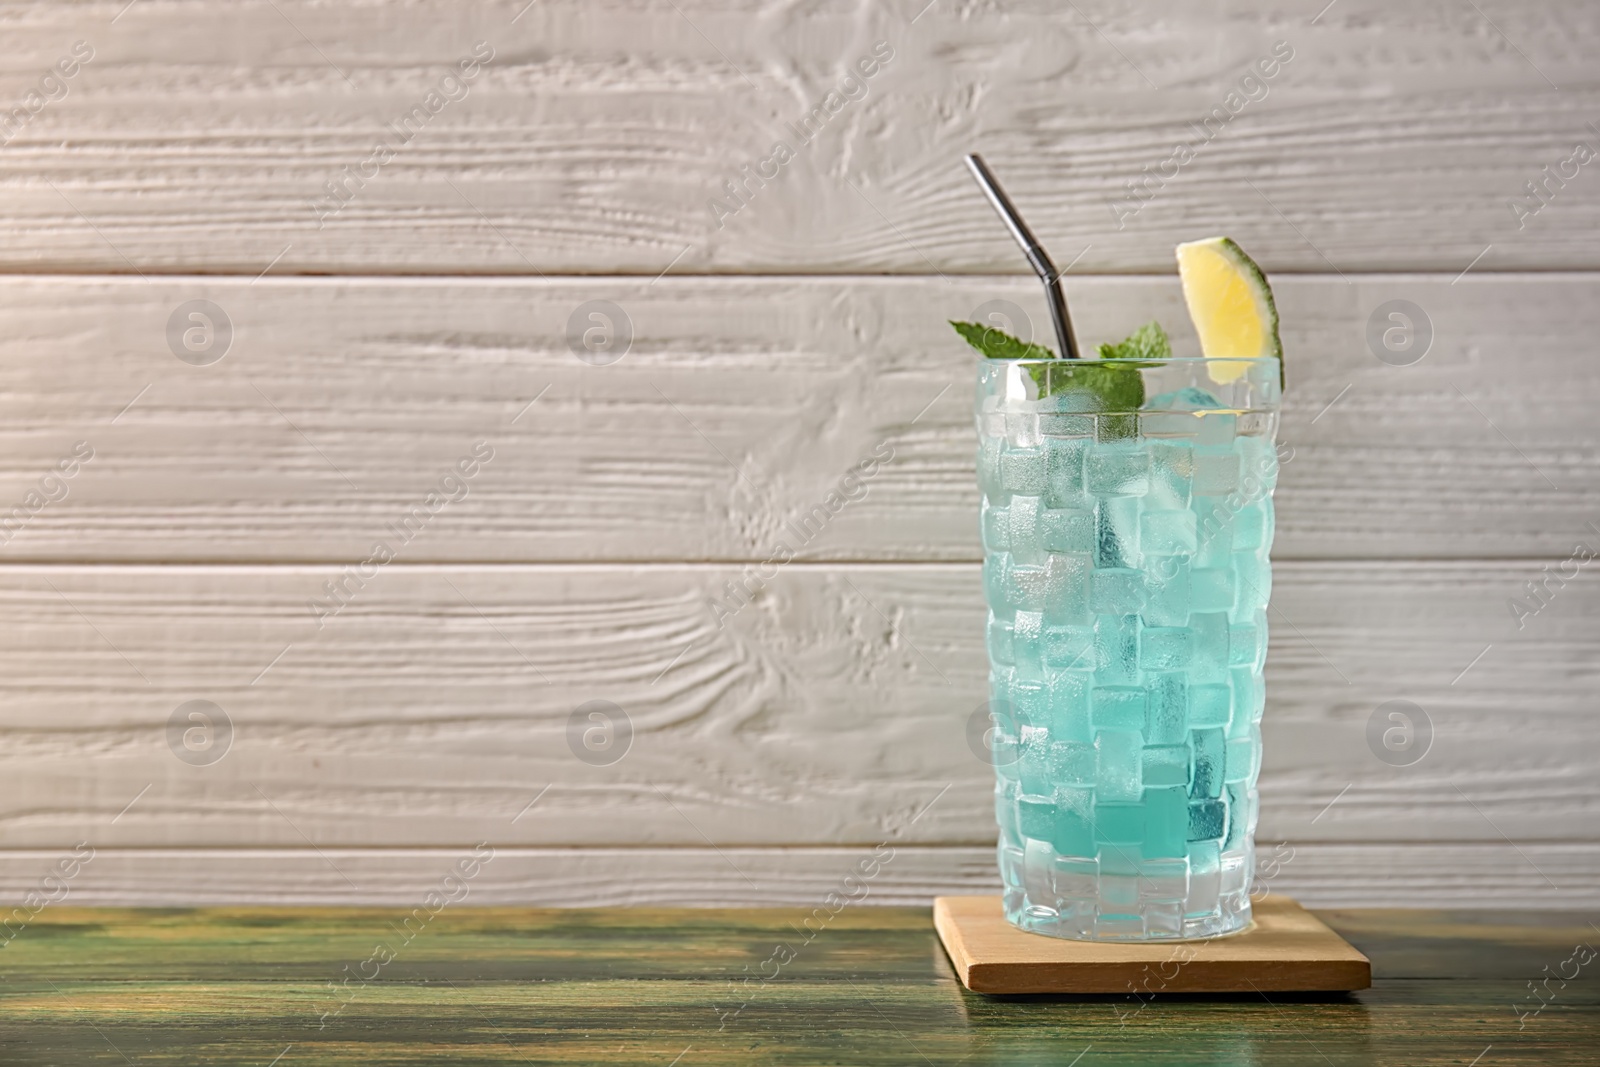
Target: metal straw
1038	258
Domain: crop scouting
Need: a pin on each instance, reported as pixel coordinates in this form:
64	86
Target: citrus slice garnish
1231	305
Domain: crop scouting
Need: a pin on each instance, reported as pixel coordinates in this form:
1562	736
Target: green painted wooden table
658	987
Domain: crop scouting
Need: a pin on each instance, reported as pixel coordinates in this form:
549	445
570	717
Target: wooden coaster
1286	949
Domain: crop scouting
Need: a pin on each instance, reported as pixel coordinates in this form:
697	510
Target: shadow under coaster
1285	949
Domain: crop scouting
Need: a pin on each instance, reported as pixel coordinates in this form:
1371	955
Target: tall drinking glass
1125	537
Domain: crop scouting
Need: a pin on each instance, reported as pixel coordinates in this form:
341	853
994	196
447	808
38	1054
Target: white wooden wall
770	354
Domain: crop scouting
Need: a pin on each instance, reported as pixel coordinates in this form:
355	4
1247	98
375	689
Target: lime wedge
1231	305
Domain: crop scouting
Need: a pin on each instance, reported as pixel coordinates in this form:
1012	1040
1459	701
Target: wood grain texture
740	407
1467	874
201	135
1284	949
832	710
870	987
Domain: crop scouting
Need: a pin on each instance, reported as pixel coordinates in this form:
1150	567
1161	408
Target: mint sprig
1149	341
1116	386
997	344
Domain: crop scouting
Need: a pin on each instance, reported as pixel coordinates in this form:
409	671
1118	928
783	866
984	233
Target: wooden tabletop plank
664	986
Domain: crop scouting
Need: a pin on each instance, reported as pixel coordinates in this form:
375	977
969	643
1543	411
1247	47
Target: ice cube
1260	461
999	583
1034	766
1209	746
1022	470
1069	647
1210	705
1119	824
1247	642
1165	648
1117	532
1064	462
1005	809
1027	646
1254	571
1208	820
1066	578
1000	641
1116	649
1028	703
1189	398
991	482
1022	529
1167	709
1249	700
1212	589
1118	470
1074	829
1253	525
1166	765
1216	473
1072	764
1069	706
1118	765
1242	808
1117	591
1168	585
1166	823
1036	816
996	528
1167	533
1209	662
1022	428
1118	707
1061	530
1243	760
1171	475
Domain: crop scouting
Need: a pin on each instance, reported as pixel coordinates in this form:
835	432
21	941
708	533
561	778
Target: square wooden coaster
1286	949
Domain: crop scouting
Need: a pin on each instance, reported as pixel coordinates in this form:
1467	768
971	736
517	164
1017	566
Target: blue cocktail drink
1127	517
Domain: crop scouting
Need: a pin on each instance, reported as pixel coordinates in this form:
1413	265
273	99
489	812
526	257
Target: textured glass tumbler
1126	572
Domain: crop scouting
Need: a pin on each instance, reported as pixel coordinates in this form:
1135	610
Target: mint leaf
1122	388
1118	386
1114	386
997	344
1147	342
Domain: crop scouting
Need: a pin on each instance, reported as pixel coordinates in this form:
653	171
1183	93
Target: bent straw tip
1037	257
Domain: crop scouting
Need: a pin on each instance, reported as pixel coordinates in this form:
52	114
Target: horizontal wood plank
1484	874
833	709
747	987
204	136
740	406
